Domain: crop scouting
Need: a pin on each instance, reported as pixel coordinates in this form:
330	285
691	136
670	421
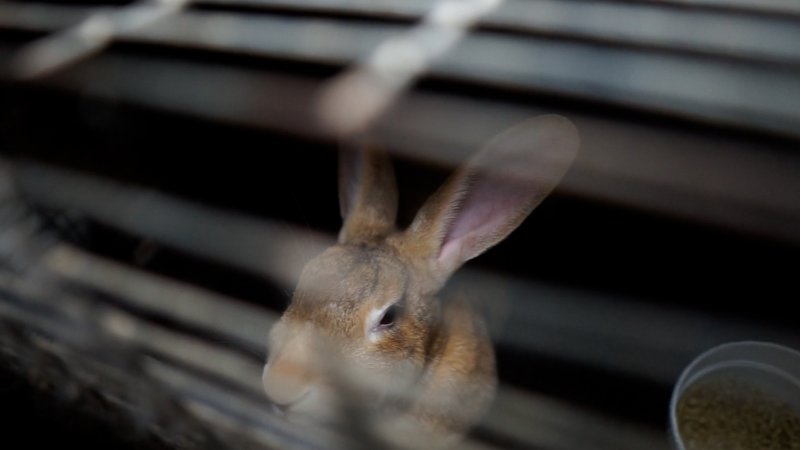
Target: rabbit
365	341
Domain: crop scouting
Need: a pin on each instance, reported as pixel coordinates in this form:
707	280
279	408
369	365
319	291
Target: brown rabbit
366	340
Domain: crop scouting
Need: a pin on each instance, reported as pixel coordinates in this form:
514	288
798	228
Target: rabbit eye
388	318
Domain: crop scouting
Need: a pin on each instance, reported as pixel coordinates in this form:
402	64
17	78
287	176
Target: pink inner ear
488	213
510	177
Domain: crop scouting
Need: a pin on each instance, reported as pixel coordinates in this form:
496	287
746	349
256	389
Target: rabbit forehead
341	286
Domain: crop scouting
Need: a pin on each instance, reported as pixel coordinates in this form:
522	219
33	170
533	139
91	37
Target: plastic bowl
732	394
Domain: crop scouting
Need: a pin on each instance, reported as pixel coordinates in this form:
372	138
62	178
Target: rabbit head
365	334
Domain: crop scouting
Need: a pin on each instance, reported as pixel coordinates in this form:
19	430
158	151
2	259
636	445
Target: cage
168	168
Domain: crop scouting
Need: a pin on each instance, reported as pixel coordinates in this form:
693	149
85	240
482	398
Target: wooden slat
790	7
721	91
157	295
728	92
37	17
623	335
550	424
257	246
242	414
655	24
235	369
414	8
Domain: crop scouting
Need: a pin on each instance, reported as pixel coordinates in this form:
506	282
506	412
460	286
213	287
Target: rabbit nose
286	382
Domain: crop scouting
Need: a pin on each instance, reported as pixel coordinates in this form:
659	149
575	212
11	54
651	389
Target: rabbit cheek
397	368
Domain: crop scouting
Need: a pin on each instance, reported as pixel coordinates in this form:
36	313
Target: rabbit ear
367	194
484	201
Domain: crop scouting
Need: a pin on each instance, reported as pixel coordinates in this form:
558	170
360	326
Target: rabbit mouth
284	409
314	407
321	406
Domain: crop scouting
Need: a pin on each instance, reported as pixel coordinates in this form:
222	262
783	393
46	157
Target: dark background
570	240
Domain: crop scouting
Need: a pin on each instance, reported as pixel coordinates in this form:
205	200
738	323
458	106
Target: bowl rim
689	377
